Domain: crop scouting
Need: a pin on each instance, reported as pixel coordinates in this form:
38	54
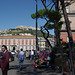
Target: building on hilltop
27	28
25	34
33	28
22	27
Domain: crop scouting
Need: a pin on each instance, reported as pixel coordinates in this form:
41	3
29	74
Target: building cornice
66	30
70	14
18	37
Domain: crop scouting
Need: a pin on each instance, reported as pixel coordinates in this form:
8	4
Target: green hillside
17	31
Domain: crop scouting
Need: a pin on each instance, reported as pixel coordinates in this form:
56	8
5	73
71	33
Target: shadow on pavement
28	69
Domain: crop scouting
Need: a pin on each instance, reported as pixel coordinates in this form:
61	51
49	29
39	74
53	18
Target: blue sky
14	13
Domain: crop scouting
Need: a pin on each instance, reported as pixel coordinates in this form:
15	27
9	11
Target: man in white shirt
32	54
21	56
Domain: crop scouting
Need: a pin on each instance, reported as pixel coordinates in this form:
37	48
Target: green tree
52	20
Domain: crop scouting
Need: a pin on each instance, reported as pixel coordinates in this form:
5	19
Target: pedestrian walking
32	54
21	56
27	54
4	63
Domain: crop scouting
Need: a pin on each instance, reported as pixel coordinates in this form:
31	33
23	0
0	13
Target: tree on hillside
52	20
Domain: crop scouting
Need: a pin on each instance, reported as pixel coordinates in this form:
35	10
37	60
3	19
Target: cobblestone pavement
28	69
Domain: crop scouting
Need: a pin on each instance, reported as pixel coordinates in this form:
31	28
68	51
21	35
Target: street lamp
36	28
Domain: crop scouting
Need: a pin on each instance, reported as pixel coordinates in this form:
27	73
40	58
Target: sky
14	13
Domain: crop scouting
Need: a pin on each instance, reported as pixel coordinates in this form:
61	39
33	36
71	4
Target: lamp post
36	28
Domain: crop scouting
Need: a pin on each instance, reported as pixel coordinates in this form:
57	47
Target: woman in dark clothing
4	63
